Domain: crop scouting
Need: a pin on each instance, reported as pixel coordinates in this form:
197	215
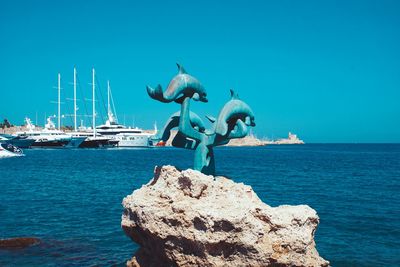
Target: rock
186	218
18	242
249	140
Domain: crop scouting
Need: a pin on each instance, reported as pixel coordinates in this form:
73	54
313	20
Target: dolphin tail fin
211	118
234	95
156	93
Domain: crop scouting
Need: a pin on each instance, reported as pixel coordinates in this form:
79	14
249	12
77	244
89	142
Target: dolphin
235	116
181	86
173	122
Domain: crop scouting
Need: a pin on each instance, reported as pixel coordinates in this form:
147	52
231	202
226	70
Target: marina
111	134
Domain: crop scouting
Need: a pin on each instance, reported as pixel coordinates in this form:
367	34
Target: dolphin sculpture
181	86
233	120
234	113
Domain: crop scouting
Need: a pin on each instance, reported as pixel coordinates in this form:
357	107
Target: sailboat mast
74	99
93	103
59	99
108	97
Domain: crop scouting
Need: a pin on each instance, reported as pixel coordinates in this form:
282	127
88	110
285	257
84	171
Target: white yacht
126	136
18	141
47	137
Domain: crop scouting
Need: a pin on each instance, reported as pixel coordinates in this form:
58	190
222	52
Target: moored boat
94	139
49	137
98	142
125	136
76	141
18	141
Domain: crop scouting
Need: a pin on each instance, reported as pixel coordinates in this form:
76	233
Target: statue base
188	218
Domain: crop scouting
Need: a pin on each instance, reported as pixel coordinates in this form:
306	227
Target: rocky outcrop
186	218
249	140
18	242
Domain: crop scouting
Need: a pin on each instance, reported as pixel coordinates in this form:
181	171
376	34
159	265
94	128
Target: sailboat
94	139
126	137
49	136
75	141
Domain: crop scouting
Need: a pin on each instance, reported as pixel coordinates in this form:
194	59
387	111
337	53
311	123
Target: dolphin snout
199	97
252	122
203	97
249	121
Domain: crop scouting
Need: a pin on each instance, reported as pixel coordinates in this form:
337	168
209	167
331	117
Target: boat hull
132	140
22	143
76	141
135	143
98	143
50	143
18	141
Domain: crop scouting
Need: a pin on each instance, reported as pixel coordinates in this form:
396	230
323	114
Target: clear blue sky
326	70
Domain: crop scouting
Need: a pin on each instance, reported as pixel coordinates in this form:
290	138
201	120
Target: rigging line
70	117
83	98
113	106
102	99
69	112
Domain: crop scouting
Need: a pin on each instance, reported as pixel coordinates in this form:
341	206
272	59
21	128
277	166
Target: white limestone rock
186	218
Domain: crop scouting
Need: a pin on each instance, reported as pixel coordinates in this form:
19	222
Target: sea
71	198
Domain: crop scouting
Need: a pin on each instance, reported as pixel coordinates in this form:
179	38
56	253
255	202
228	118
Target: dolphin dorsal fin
234	95
181	69
211	118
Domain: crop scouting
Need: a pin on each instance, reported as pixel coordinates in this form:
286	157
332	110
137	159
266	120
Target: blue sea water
71	199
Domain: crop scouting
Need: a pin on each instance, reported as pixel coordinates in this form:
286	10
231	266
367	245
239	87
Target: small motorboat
8	150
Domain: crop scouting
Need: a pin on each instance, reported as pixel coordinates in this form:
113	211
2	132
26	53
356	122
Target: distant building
291	140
